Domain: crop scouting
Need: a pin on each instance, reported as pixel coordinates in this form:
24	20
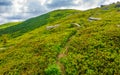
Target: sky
20	10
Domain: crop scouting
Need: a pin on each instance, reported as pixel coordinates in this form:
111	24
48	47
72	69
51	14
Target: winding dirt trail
62	55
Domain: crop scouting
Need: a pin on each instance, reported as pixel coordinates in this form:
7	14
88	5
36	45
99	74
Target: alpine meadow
63	42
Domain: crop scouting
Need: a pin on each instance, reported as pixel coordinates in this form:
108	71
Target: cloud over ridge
15	10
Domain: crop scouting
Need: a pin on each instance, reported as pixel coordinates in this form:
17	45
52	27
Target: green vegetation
9	24
53	70
77	46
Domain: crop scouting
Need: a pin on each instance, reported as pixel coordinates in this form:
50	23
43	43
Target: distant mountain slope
36	22
63	42
8	24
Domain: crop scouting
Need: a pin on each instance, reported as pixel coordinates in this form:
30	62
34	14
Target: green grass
28	48
9	24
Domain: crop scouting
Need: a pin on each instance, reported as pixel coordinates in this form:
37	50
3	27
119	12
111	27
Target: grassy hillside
33	23
9	24
63	42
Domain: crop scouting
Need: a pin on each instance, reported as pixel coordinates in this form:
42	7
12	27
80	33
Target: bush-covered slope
63	42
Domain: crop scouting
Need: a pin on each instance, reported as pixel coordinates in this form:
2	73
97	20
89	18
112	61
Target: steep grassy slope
9	24
92	48
36	22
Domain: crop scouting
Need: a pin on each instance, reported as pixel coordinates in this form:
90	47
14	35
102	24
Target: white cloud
24	9
42	2
19	6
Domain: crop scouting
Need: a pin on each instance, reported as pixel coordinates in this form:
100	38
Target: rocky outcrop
51	27
117	6
103	5
76	24
94	19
